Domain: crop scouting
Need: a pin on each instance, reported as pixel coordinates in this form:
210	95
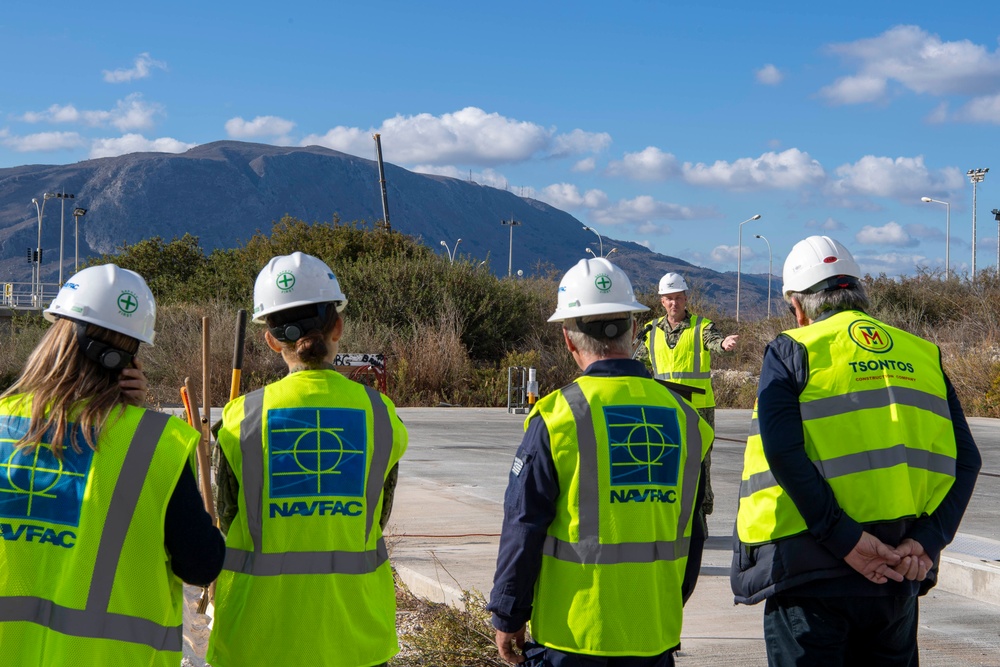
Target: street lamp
62	220
591	252
976	176
611	252
761	236
512	223
947	233
996	214
451	251
77	214
739	264
599	239
36	288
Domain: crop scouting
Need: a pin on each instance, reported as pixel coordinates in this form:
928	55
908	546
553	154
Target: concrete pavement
449	505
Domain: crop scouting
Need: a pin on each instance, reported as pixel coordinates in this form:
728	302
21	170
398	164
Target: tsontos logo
870	336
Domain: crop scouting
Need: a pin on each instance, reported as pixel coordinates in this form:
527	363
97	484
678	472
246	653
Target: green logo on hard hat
603	283
128	302
285	281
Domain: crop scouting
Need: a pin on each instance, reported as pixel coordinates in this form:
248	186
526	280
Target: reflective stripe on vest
262	564
94	621
695	373
589	549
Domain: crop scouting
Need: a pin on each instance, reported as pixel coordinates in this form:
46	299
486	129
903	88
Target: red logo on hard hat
830	260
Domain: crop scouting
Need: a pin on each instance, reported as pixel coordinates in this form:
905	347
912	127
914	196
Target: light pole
947	233
739	264
976	176
36	288
996	214
599	239
761	236
611	252
591	252
77	214
451	252
512	223
62	196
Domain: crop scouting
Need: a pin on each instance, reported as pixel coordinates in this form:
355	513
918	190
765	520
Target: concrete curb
428	588
970	577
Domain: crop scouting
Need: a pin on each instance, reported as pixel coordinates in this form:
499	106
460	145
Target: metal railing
23	296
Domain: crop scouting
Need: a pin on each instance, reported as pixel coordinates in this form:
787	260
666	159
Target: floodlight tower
976	176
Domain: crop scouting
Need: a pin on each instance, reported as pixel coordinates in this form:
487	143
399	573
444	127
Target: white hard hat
108	296
289	281
672	283
815	260
594	287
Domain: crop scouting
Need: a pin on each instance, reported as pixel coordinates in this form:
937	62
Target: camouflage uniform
712	339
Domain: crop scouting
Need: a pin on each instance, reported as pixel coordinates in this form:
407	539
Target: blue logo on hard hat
35	484
317	452
645	444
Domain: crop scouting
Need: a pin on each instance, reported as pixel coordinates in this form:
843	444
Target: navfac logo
317	452
870	336
35	484
645	445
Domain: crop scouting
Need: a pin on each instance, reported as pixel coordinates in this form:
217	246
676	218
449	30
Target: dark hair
320	319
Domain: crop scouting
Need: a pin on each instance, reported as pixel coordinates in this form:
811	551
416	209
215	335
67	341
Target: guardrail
23	296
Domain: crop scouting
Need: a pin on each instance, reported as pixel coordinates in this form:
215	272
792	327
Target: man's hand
132	382
729	342
874	560
914	563
507	641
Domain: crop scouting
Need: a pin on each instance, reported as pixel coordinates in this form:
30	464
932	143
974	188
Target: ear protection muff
289	332
609	329
105	355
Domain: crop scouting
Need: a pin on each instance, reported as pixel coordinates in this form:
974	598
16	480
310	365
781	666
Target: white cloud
259	127
43	141
891	263
468	136
644	209
917	61
917	230
649	164
769	75
585	165
488	177
828	225
789	169
136	143
903	178
567	196
981	110
142	68
724	254
891	233
131	113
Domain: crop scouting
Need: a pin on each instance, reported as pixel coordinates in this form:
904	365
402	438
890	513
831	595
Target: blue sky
662	123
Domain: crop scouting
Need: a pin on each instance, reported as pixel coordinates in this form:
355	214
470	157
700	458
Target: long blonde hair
69	393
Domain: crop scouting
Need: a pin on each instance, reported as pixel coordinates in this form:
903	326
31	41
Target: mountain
225	191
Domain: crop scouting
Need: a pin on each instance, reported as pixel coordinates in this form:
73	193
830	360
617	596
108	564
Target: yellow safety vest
876	423
86	577
307	579
689	362
627	454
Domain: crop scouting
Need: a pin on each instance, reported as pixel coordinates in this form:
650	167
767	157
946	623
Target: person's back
90	495
307	580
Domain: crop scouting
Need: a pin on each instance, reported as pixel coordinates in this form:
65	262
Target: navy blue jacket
530	506
811	564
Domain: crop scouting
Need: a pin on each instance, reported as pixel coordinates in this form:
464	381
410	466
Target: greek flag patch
516	468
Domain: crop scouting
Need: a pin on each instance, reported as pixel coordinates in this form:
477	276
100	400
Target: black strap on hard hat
609	329
833	283
290	325
107	356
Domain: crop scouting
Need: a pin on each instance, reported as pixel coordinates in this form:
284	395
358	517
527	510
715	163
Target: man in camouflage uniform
678	348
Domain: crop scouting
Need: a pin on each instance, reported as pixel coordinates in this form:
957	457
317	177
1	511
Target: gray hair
817	303
601	347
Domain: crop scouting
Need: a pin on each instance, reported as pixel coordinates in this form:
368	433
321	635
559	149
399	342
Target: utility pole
381	180
976	176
